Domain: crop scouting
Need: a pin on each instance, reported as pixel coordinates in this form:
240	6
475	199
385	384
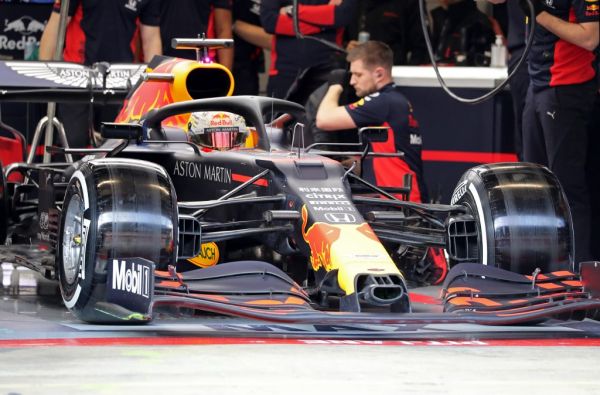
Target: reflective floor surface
45	350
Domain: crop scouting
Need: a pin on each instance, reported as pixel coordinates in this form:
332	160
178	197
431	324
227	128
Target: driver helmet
217	130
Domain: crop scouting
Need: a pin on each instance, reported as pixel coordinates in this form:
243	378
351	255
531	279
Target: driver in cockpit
217	130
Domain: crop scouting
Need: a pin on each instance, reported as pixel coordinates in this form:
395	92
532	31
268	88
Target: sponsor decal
74	75
208	256
255	7
187	169
221	119
131	277
20	35
217	174
85	230
222	129
336	218
357	104
416	139
132	5
327	199
459	191
25	25
16	45
204	172
130	283
592	10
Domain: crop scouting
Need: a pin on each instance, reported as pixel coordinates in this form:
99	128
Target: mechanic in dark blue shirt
560	99
250	39
323	19
191	18
106	29
381	104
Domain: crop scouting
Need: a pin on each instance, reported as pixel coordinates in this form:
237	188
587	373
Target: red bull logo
319	237
221	119
356	104
352	249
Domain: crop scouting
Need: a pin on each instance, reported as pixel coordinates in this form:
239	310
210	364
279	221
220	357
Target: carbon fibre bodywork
271	231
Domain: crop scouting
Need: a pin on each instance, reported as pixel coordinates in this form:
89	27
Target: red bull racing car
209	202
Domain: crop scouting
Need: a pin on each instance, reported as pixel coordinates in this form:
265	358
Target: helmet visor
217	130
220	138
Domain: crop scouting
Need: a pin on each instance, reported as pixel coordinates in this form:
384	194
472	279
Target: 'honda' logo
337	218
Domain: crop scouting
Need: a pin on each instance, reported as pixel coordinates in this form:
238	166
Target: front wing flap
257	290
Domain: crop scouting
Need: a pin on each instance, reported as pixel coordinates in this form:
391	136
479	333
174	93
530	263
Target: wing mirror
373	134
111	130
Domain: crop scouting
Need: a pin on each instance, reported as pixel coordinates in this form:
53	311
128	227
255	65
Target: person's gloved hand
338	77
538	6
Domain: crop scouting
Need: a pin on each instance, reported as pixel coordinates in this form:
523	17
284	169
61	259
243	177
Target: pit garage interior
47	349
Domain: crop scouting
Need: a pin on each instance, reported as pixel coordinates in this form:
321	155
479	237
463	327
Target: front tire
114	210
521	214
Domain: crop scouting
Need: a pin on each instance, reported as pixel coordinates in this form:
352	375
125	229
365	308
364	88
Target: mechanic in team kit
190	18
381	104
100	31
250	39
290	56
560	100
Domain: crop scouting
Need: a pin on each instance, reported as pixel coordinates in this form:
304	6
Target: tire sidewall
503	198
76	295
471	193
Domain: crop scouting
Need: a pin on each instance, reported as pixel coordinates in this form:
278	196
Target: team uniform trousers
556	120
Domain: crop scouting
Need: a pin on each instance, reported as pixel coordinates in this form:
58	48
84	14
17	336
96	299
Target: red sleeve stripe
285	26
317	14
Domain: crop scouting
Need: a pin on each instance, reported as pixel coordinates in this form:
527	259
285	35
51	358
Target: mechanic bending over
381	104
560	99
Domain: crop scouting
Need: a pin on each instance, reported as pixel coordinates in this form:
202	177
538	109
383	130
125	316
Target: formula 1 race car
212	203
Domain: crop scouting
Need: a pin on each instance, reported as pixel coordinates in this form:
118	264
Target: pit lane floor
46	351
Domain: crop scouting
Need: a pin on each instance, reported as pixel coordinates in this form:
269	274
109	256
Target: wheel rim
72	244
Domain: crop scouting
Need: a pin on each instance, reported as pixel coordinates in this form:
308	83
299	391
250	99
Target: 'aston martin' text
205	172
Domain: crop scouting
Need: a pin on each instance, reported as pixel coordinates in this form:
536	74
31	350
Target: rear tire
113	209
522	216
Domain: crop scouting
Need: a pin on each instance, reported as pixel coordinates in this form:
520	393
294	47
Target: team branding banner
21	27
